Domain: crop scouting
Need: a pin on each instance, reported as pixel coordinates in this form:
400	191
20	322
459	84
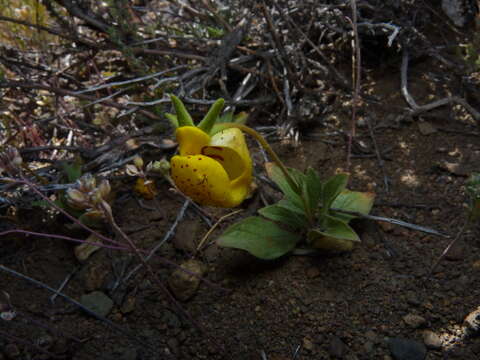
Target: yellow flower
212	170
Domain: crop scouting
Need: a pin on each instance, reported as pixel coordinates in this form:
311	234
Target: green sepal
183	117
209	120
173	119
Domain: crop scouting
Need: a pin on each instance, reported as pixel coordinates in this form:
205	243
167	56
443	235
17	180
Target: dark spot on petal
194	170
216	157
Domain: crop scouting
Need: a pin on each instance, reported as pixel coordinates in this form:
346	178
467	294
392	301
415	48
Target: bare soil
321	307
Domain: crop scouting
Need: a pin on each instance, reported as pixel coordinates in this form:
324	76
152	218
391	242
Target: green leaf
209	120
355	201
91	221
331	188
40	203
287	204
73	170
337	228
312	189
183	117
261	238
276	174
215	32
284	216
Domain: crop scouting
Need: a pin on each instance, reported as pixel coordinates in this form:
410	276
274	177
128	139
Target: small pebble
97	302
456	252
432	340
313	272
11	351
308	344
415	321
184	284
472	322
406	349
337	347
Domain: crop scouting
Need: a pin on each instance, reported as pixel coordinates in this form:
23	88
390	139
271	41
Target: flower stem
268	149
293	184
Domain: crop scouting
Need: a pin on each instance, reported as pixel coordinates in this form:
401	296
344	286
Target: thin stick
380	160
356	73
62	285
404	81
467	222
25	181
60	237
393	221
209	232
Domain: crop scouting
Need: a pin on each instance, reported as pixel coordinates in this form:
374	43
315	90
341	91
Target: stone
414	321
128	305
123	353
97	302
337	347
413	298
173	344
406	349
95	275
476	265
313	272
432	340
426	128
386	226
184	281
368	346
457	11
87	248
186	236
371	336
11	351
472	322
308	344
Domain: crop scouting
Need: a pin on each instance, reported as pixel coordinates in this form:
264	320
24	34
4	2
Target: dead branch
416	109
65	92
